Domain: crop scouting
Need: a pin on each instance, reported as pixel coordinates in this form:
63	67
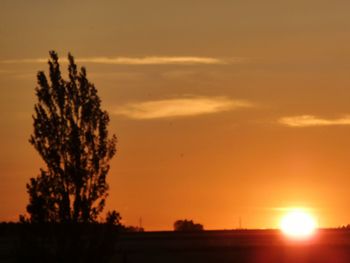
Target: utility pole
140	223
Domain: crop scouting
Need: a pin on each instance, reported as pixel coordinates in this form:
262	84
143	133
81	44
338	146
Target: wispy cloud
310	120
6	71
179	107
151	60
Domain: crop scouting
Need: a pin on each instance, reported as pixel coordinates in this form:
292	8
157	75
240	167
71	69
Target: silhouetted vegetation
70	134
187	226
65	199
113	218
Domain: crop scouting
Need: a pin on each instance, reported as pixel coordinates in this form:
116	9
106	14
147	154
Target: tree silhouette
70	134
187	226
113	218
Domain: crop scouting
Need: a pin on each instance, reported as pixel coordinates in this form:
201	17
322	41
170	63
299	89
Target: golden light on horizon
298	223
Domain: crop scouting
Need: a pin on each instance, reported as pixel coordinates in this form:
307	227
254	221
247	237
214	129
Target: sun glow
298	224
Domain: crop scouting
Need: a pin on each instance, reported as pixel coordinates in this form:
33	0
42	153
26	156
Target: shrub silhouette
187	226
113	218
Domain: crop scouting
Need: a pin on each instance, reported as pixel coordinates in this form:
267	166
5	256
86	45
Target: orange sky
223	109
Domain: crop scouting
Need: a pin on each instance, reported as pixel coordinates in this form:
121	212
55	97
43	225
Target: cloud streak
179	107
151	60
311	121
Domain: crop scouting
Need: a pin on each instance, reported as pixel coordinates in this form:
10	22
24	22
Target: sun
298	223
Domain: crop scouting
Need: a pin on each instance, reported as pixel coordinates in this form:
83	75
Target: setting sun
298	223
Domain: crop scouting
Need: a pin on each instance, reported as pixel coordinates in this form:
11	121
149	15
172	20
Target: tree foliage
70	134
187	226
113	218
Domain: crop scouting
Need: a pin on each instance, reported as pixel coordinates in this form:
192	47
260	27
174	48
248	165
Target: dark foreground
257	246
104	244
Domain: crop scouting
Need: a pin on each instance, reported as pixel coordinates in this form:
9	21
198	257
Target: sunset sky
223	109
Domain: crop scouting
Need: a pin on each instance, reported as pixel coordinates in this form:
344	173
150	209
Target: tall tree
70	134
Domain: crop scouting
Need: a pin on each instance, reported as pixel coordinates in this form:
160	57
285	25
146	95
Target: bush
187	226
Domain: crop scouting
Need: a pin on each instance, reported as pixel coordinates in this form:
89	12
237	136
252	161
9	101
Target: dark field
107	245
236	246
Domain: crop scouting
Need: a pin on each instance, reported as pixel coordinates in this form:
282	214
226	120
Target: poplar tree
70	134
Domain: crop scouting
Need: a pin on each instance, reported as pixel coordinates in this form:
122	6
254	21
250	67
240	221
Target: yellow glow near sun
298	223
